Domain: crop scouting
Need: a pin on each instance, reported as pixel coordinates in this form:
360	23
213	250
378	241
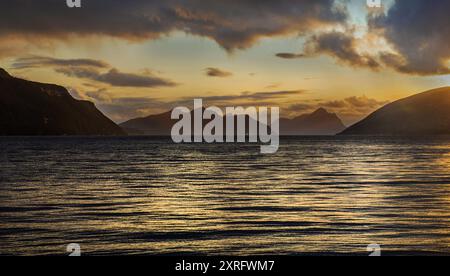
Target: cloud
253	97
120	109
117	108
416	31
355	104
419	30
351	109
124	108
75	92
301	108
233	24
273	86
341	46
100	95
289	55
414	36
39	61
216	72
116	78
94	70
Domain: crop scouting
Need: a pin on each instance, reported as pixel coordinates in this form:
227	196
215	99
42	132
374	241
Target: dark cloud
419	30
94	70
290	55
216	72
38	61
116	78
340	46
234	24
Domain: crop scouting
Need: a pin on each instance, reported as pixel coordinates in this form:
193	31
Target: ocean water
148	196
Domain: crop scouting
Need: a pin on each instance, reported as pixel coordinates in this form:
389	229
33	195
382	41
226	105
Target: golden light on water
312	197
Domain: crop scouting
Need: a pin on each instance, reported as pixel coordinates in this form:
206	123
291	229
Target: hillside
31	108
427	113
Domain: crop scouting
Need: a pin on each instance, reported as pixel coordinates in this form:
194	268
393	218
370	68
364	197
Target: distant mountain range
319	122
160	124
31	108
426	113
156	125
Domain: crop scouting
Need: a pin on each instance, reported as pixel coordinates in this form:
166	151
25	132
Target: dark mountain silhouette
318	123
31	108
157	125
426	113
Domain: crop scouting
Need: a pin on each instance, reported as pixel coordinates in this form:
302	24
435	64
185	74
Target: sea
149	196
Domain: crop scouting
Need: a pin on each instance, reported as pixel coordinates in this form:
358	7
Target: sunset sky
139	57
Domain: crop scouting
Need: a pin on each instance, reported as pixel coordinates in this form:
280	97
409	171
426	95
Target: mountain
155	125
32	108
427	113
318	123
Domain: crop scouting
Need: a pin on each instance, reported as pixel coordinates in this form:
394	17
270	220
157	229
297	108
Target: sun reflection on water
140	196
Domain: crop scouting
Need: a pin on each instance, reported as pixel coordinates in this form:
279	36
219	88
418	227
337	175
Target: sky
140	57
